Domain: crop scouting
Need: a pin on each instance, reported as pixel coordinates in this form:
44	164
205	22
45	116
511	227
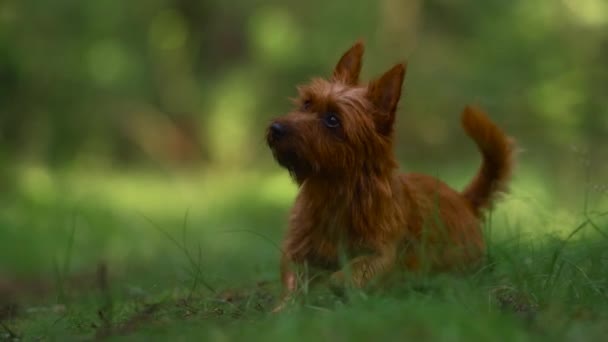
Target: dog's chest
330	236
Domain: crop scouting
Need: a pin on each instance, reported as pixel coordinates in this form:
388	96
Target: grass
139	256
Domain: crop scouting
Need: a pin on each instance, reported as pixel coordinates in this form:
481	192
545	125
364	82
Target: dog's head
339	127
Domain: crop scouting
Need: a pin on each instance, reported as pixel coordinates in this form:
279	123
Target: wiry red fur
353	201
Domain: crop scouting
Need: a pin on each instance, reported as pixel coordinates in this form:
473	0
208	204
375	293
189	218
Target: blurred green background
115	110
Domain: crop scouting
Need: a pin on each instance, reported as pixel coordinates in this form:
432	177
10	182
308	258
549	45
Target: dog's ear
348	68
384	93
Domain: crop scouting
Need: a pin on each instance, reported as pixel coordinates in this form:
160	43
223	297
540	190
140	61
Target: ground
133	255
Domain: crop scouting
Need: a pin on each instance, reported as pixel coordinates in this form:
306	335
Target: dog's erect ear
384	93
348	68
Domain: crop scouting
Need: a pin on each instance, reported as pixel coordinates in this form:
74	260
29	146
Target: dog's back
447	223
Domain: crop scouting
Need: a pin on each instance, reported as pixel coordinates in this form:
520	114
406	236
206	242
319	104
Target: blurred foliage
176	82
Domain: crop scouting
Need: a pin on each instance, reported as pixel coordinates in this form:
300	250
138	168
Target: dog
353	202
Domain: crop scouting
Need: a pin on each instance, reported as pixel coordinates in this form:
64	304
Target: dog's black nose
277	130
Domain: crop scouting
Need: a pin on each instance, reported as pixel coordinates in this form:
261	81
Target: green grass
142	256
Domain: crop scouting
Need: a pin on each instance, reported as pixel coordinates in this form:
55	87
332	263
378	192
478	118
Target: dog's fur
338	146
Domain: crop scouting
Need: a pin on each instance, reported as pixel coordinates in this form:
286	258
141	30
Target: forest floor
142	256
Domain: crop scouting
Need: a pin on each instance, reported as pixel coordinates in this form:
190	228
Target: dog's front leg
289	281
297	278
362	269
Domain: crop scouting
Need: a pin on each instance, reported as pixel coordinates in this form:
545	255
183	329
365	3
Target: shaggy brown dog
353	202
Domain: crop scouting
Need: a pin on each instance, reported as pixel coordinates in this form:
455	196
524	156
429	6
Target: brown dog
338	145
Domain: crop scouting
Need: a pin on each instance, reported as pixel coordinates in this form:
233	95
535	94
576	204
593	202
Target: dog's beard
297	166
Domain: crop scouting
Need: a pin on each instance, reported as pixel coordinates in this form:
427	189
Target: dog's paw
283	305
279	308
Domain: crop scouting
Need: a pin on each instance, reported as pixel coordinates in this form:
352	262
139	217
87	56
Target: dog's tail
497	150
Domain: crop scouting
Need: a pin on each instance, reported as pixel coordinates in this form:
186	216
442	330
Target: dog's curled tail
497	150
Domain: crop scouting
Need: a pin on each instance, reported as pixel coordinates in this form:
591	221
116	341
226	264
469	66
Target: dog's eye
306	105
331	120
